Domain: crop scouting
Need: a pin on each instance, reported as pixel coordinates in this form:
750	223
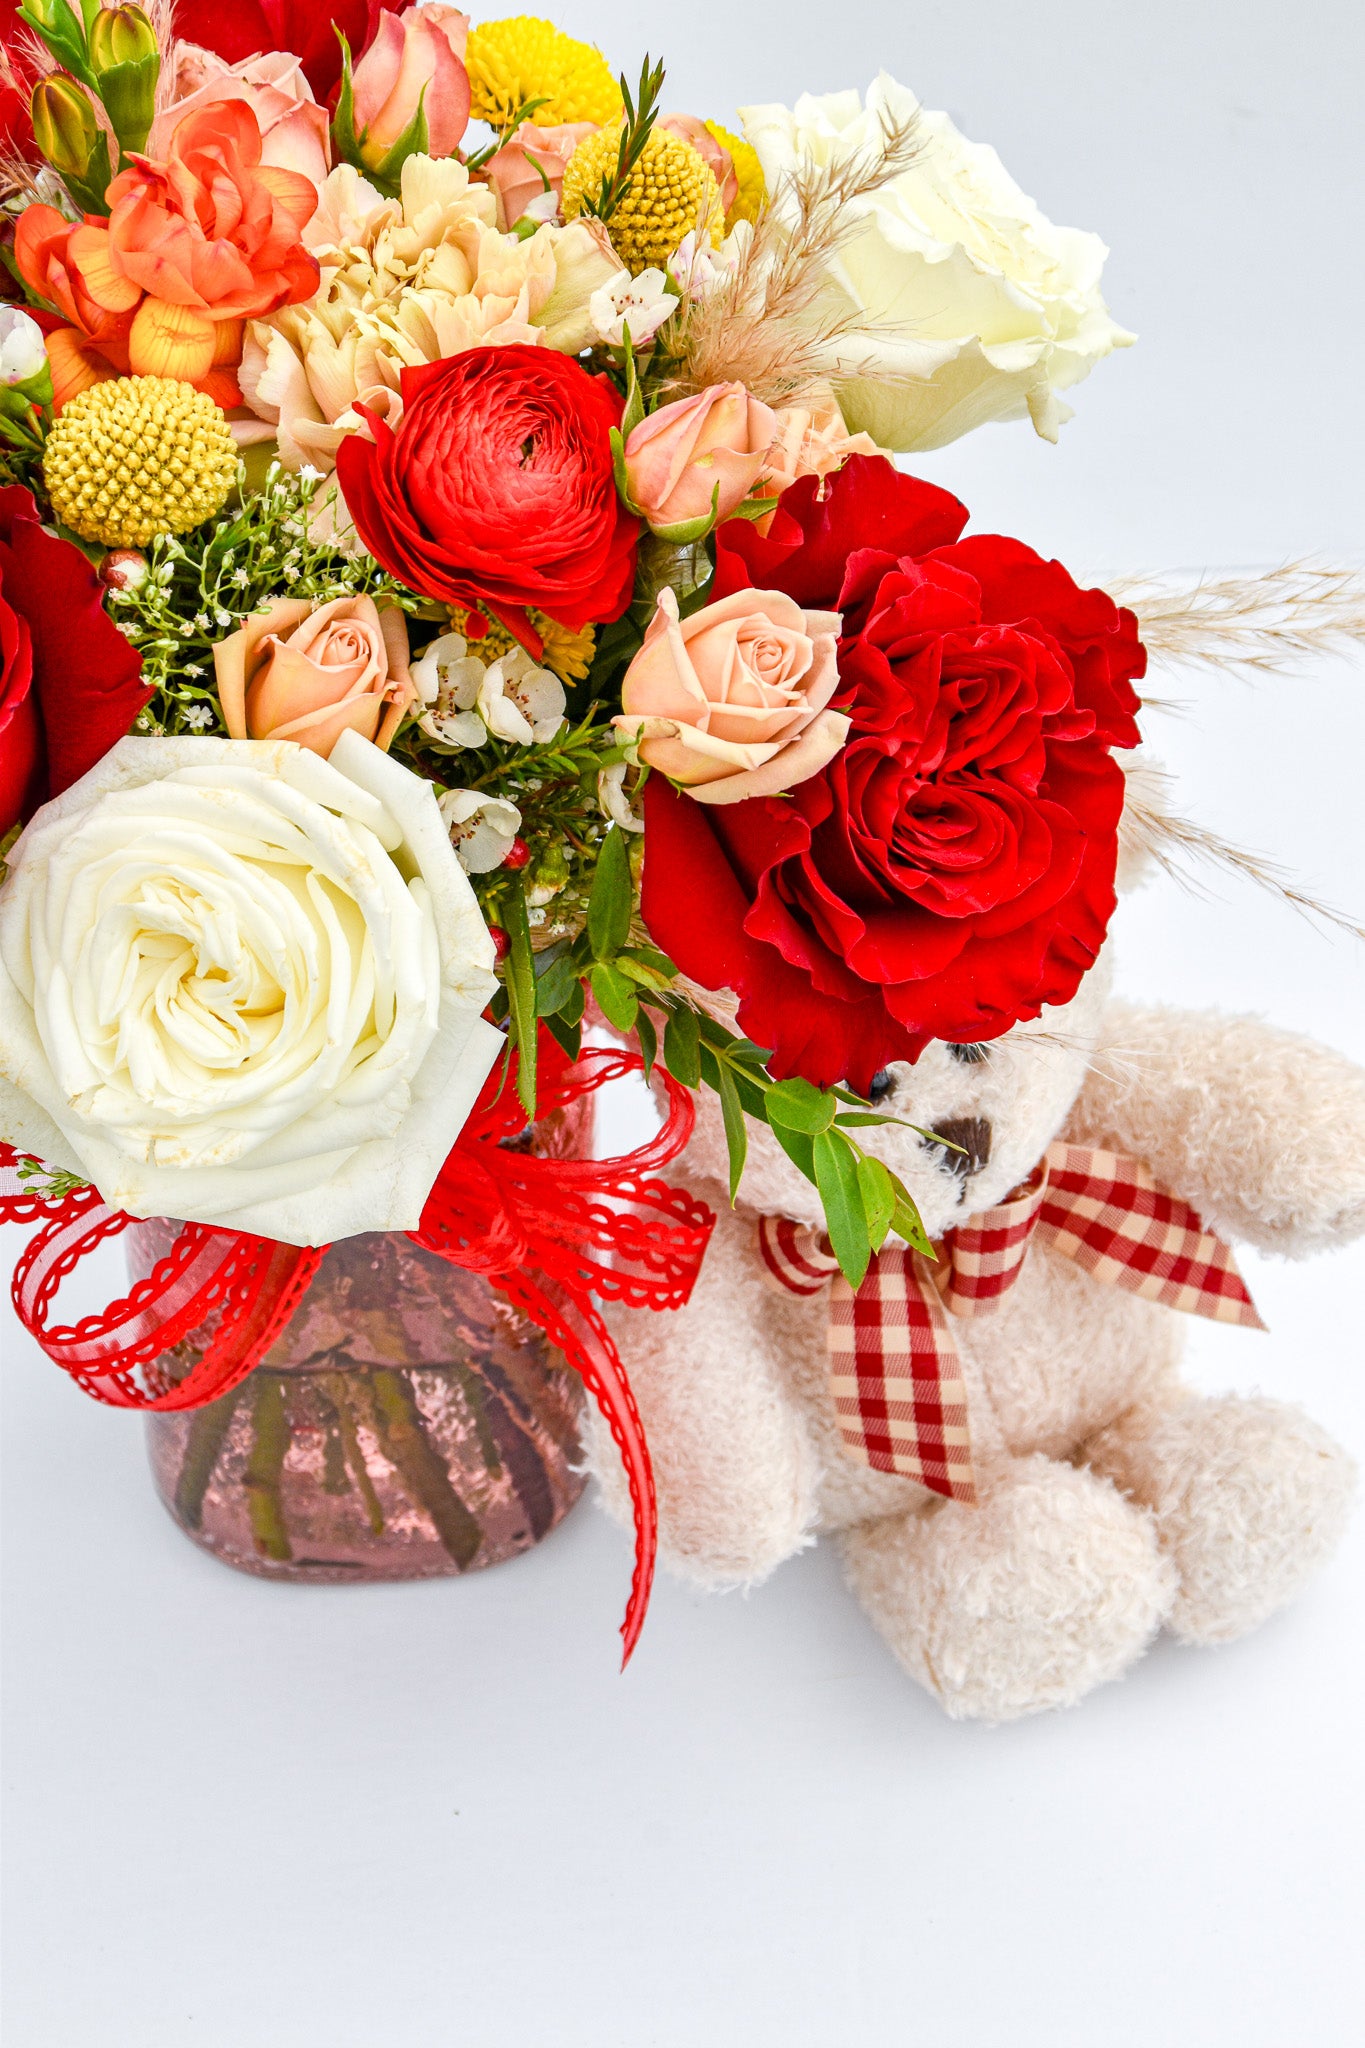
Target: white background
243	1815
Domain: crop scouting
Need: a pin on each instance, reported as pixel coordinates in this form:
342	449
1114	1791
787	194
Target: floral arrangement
455	586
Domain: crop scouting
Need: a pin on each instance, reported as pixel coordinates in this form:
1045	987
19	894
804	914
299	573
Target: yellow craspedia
568	654
753	188
137	456
523	58
670	192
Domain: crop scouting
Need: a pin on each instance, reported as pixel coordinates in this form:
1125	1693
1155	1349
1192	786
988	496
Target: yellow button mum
523	58
568	654
749	171
138	456
670	192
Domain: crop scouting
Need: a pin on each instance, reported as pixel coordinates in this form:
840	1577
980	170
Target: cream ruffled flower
967	304
406	281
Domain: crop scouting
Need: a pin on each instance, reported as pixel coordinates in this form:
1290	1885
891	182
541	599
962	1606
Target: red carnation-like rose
952	870
497	490
70	685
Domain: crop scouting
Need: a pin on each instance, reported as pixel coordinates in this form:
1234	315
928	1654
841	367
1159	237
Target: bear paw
1250	1496
1053	1585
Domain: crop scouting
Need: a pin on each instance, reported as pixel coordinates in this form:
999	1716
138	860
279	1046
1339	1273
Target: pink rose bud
532	162
416	57
308	673
713	154
679	457
731	702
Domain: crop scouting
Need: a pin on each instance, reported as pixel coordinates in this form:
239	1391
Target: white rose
241	985
969	305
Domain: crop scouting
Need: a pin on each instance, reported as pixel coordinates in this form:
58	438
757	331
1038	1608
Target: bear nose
972	1135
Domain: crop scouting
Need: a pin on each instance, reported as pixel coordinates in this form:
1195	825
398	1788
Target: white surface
244	1816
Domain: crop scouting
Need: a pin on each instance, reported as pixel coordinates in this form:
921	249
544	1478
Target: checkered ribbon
895	1373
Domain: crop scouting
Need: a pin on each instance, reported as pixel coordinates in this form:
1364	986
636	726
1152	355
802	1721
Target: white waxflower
519	702
481	828
641	303
242	985
611	795
960	302
696	268
22	353
448	679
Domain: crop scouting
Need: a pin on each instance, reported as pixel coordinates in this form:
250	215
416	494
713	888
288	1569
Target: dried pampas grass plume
764	326
1249	625
1152	831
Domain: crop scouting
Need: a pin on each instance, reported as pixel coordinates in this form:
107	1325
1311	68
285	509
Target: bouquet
456	589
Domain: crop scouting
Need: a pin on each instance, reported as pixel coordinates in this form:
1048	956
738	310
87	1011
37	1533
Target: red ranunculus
497	489
235	29
952	870
70	685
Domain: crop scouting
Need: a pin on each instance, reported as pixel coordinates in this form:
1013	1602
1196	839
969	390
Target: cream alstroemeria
407	281
521	702
242	985
482	828
966	304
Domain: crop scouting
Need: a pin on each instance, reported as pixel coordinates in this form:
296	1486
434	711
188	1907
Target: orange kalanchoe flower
191	249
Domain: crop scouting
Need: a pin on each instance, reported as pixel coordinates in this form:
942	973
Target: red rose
70	685
235	29
952	870
497	489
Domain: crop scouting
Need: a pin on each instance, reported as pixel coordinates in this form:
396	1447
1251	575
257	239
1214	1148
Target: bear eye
970	1055
881	1085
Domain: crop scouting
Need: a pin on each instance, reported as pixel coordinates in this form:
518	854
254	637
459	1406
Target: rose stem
261	1480
407	1446
473	1388
335	1384
208	1429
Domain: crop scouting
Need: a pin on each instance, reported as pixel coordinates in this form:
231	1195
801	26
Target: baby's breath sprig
200	586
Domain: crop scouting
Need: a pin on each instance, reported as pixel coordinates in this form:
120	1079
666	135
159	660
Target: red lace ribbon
555	1236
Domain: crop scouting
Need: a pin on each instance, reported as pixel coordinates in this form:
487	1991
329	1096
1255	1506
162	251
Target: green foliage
641	112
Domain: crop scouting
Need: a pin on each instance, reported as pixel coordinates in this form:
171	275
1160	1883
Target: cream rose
968	304
241	985
731	701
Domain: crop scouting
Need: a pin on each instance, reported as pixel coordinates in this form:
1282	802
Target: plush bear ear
1147	803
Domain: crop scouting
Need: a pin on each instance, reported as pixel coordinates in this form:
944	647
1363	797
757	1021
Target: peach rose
731	703
414	60
515	172
811	440
308	673
713	154
293	126
697	452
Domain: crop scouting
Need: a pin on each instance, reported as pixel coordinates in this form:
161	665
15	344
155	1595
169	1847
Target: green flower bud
120	35
66	131
127	63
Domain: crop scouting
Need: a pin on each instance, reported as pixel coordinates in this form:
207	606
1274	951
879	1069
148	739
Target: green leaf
799	1148
907	1223
800	1106
612	899
521	993
570	1036
878	1192
683	531
635	404
640	970
618	464
615	996
412	142
555	984
836	1176
649	1040
571	1012
682	1046
722	1080
754	508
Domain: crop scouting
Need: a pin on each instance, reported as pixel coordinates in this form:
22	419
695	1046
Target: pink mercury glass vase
409	1424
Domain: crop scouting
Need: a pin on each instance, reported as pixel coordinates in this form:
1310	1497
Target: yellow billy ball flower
523	58
669	192
137	456
568	654
752	188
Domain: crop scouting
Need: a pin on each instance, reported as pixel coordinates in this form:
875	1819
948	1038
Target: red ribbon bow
555	1236
895	1371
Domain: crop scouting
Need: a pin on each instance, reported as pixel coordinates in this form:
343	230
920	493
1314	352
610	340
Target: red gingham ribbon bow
895	1373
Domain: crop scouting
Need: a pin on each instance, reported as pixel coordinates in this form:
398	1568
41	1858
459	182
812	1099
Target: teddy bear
1106	1499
